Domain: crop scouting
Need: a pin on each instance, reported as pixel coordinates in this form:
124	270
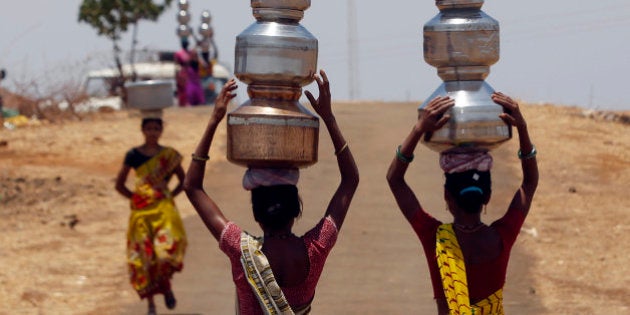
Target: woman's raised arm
209	212
433	119
340	202
527	153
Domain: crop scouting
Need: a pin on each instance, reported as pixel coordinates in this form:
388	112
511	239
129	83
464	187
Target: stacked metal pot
462	42
276	57
207	32
183	18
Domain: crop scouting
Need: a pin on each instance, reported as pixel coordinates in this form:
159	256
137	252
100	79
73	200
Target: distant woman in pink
194	90
182	57
276	273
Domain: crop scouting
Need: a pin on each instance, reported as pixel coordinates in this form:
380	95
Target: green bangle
401	157
529	155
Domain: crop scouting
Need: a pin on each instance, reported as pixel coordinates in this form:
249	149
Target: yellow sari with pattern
156	239
453	272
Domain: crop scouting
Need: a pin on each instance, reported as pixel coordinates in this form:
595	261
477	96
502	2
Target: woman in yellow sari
467	259
156	240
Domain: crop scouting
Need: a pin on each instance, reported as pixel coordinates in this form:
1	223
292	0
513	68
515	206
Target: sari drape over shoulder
318	242
454	279
260	277
156	239
262	281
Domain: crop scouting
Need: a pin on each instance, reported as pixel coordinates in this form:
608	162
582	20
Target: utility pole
353	57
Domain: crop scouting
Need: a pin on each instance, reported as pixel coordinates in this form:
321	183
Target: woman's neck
467	222
282	233
150	149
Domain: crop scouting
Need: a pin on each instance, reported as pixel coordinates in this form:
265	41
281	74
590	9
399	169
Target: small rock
533	232
71	220
572	190
33	297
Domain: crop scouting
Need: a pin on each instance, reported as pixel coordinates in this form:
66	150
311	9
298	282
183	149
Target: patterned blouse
318	243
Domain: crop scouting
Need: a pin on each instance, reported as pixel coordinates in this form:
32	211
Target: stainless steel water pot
276	57
462	42
150	94
183	5
183	18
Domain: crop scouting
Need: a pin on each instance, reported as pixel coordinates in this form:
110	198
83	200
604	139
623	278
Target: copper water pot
276	57
462	42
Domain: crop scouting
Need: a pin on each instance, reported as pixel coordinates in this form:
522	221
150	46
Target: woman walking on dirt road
467	259
276	273
156	240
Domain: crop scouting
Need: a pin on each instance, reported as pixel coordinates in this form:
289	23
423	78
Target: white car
104	92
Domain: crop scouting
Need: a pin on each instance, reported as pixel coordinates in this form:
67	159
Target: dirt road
377	266
63	225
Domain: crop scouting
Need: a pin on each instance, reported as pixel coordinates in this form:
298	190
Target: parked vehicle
103	86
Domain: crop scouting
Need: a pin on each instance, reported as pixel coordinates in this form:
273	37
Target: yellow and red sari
454	280
156	240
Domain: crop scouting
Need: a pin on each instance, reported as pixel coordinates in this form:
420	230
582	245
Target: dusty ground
63	225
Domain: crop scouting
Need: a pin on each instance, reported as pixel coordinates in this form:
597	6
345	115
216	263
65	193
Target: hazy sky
551	51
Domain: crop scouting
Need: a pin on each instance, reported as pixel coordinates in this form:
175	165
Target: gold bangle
345	146
196	157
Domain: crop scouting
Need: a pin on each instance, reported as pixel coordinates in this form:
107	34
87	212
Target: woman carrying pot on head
182	59
467	259
283	278
156	240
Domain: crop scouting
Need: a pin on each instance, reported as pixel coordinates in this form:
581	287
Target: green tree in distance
112	18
